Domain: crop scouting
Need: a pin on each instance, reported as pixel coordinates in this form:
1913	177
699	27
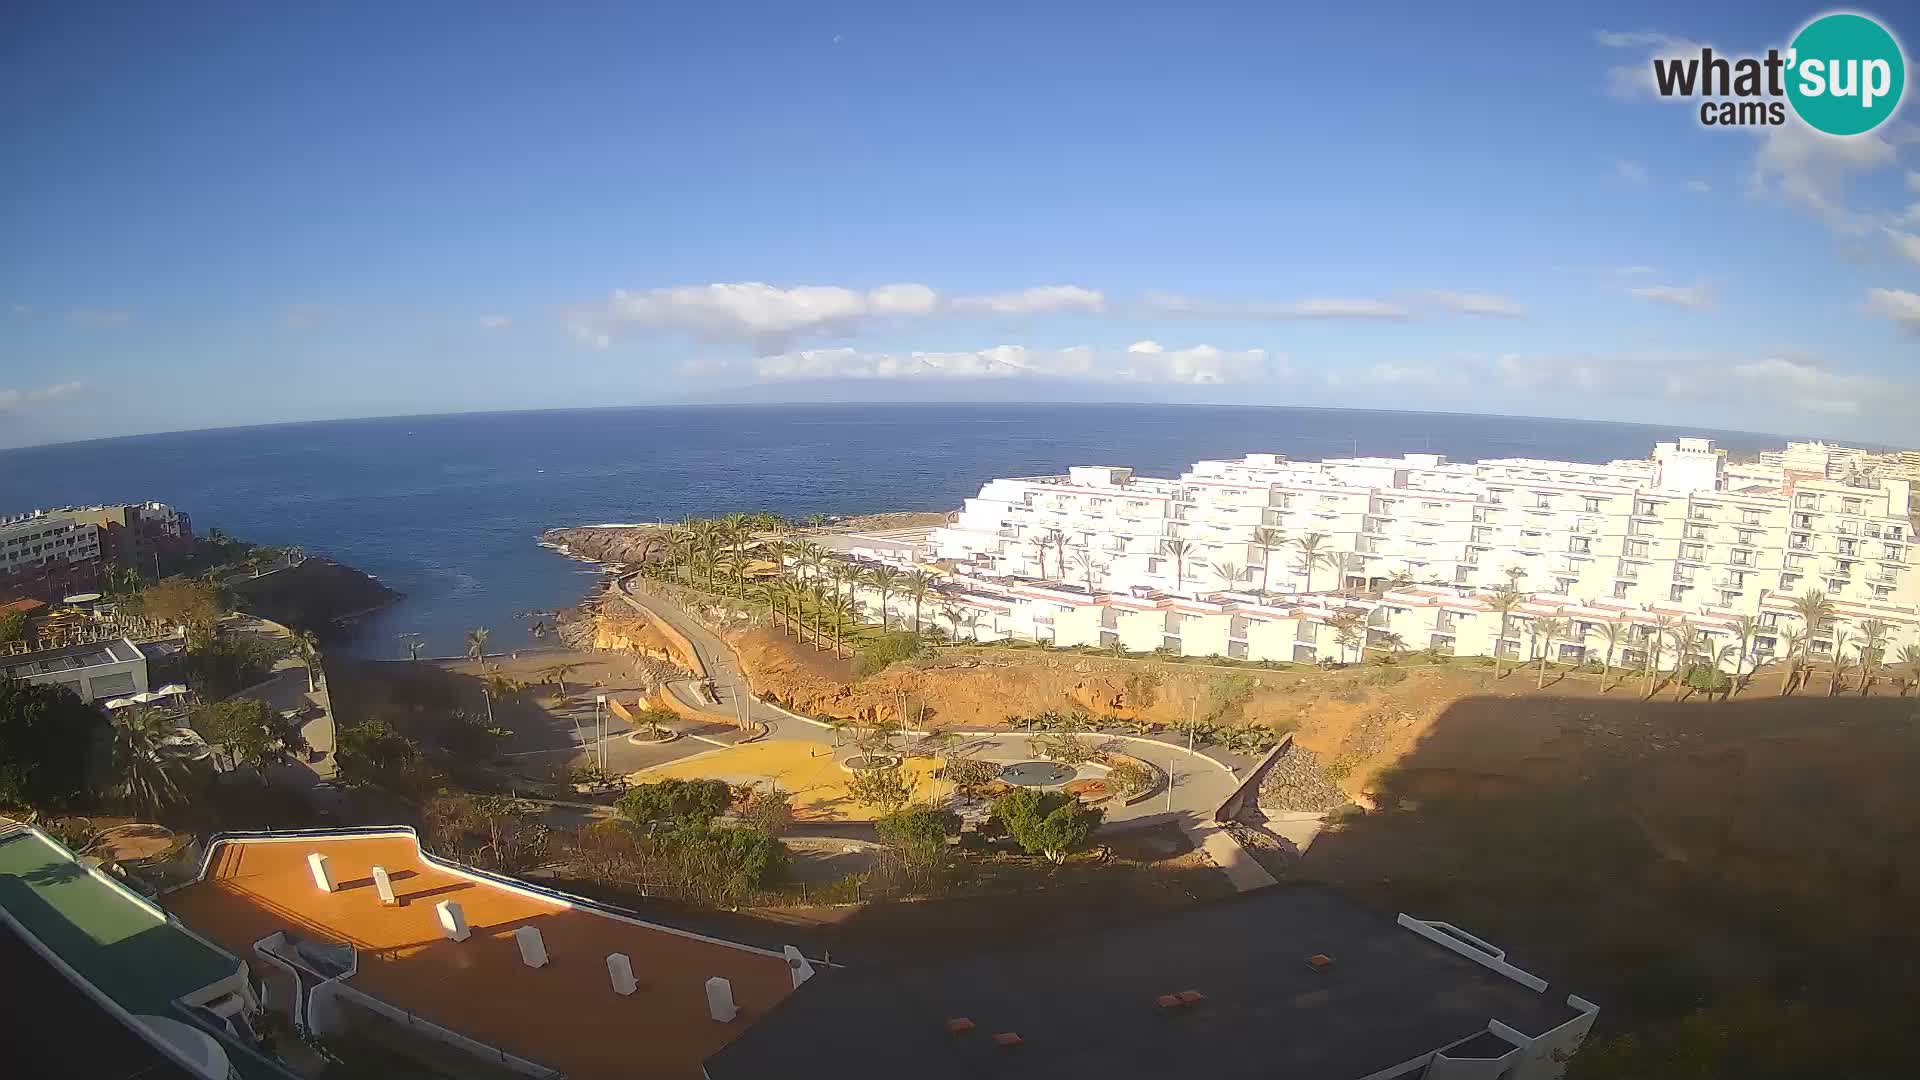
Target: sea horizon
448	508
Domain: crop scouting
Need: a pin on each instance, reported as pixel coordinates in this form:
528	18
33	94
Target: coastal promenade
1199	782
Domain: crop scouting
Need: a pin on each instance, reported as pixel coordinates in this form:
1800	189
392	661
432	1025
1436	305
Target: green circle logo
1845	74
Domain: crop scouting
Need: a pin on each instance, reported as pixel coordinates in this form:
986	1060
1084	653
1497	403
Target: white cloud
1901	306
1143	361
1634	82
96	317
1389	374
1473	303
1047	299
1913	181
1696	297
1631	171
1320	307
1785	383
20	309
495	322
13	399
1906	245
1699	187
1805	168
749	310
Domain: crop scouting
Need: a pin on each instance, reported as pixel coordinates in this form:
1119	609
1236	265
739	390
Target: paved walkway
1201	781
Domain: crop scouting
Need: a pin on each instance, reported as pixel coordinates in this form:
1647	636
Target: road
1201	781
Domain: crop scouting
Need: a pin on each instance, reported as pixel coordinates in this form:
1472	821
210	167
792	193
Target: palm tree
1684	636
734	532
1744	628
952	613
477	643
1842	637
559	673
1059	540
840	610
918	583
1084	560
1545	631
1872	649
1504	600
496	684
1814	609
414	645
1395	645
886	581
1311	548
1267	540
1040	545
824	597
1610	633
1793	646
973	618
146	774
1656	639
842	573
1910	656
1178	550
307	648
1227	571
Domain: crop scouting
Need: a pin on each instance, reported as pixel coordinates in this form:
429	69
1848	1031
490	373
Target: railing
484	1051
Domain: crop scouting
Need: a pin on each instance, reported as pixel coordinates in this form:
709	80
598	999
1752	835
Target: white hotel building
1682	534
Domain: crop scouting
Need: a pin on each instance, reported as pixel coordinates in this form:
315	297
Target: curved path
1194	792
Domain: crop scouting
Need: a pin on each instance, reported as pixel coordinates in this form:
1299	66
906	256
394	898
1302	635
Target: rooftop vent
1321	963
959	1025
1008	1039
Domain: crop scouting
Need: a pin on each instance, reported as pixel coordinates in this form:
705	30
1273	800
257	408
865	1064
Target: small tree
1046	823
915	827
885	787
250	733
13	626
769	810
47	735
182	601
373	754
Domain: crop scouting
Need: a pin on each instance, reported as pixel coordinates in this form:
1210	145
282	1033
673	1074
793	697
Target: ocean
447	509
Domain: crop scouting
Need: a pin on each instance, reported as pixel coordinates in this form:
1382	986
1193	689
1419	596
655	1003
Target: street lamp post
599	729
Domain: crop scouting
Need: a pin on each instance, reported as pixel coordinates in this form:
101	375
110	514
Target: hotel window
1849	547
1807	502
1789	582
1683	573
1637	549
1542	501
1881	592
1750	517
1692	552
1803	521
1592	505
1746	537
1741	558
1696	532
1893	532
1620	590
1895	552
1646	507
1677	593
1579	545
1850	506
1566	584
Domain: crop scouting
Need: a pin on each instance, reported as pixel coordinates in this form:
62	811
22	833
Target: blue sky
264	214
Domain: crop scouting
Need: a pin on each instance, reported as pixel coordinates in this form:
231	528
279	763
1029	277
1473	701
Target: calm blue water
446	508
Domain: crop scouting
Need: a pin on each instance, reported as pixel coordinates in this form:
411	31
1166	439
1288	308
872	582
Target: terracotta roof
564	1015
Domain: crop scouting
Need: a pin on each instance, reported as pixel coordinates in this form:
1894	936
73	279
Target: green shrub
1382	675
888	648
916	826
681	801
1707	677
1129	778
1046	823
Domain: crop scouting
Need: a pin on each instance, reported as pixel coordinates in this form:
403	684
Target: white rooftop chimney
620	970
322	875
720	1000
383	885
533	951
802	970
453	921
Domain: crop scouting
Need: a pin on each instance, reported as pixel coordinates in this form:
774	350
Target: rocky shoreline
629	545
318	594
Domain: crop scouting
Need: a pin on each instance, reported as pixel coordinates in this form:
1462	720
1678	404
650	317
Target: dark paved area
1085	1006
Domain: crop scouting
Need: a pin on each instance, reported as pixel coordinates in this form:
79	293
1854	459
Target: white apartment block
28	543
1102	557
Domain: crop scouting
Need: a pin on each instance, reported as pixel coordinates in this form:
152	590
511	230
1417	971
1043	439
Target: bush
1707	678
372	754
969	772
888	648
469	738
1046	823
251	733
1129	778
916	826
768	810
1382	675
885	788
684	802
